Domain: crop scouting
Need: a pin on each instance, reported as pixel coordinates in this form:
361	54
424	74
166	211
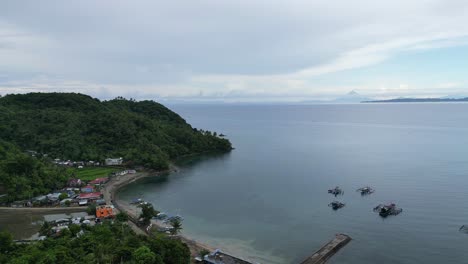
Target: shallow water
267	199
26	224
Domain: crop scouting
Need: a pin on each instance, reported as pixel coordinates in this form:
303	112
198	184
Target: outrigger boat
385	210
136	201
336	191
365	190
464	229
335	205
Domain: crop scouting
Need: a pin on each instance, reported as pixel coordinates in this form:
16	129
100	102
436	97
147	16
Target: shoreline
110	189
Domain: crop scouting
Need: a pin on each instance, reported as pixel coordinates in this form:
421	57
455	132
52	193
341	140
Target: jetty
328	250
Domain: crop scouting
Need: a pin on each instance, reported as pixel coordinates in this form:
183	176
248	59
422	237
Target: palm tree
176	226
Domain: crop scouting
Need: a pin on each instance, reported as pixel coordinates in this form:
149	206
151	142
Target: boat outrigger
385	210
365	190
336	191
335	205
464	229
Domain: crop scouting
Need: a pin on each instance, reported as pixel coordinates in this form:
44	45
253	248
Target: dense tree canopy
24	177
78	127
106	243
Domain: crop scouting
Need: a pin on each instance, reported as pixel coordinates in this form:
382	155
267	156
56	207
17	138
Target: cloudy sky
241	50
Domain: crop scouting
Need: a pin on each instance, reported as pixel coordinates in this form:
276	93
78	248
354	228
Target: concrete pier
328	250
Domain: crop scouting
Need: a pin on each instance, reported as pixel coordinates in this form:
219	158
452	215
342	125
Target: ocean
267	200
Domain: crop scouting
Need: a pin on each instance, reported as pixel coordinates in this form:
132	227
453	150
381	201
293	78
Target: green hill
79	127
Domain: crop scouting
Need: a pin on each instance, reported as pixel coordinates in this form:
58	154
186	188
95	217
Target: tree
176	226
45	229
91	210
107	243
147	212
63	196
122	217
143	255
6	242
74	229
79	127
203	253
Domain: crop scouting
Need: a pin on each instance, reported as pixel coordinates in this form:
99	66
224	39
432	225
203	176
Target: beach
111	188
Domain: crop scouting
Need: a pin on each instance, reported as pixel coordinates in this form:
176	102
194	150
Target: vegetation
105	243
91	210
176	226
147	213
78	127
122	217
91	173
203	253
25	177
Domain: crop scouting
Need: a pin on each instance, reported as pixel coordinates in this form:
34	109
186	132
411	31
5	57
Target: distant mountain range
418	100
351	97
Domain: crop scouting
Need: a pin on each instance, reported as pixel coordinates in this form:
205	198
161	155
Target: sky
243	50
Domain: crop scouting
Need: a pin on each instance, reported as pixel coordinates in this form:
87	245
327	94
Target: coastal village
93	197
76	192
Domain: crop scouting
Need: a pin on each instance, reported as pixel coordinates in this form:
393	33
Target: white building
112	161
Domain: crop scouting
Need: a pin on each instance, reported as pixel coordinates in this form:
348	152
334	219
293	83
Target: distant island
418	100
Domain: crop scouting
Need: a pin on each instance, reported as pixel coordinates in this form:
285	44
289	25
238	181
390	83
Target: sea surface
267	200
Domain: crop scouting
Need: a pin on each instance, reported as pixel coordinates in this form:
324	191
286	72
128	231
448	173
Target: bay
267	200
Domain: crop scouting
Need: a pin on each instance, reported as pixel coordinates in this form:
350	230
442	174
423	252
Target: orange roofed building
105	211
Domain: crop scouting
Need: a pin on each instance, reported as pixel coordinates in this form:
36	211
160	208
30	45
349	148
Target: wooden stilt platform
328	250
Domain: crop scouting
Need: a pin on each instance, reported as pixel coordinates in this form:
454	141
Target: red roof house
90	196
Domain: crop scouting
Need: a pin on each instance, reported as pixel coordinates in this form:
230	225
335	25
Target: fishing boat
365	190
385	210
336	191
335	205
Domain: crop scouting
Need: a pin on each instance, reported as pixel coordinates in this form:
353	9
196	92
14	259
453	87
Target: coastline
110	189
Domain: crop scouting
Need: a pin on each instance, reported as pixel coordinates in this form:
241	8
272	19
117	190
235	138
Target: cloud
448	85
216	49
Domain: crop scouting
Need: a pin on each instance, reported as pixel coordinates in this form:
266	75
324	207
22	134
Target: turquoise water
267	199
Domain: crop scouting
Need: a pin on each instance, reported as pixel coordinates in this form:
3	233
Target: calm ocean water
267	200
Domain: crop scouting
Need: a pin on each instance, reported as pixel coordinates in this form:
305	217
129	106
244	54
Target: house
90	196
19	204
113	161
64	201
105	211
101	202
87	189
70	193
74	182
41	198
83	202
53	197
99	181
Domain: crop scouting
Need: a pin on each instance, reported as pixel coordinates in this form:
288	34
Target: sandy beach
118	182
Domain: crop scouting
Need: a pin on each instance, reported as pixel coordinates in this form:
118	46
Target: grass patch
91	173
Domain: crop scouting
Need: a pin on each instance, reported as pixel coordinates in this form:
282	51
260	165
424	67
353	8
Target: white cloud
448	85
218	49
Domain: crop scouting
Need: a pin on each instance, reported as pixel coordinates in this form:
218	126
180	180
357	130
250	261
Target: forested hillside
24	177
106	243
79	127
